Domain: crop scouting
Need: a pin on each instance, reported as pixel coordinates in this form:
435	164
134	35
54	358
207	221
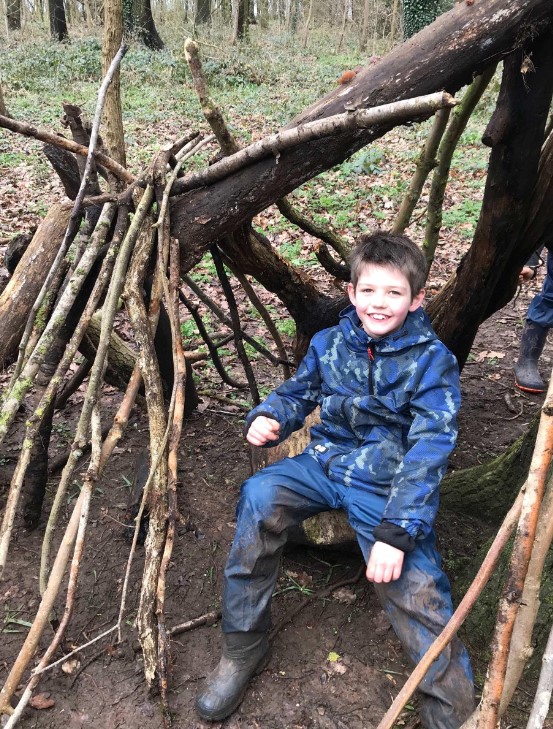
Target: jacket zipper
370	352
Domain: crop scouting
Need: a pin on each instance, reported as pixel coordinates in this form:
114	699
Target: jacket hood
415	330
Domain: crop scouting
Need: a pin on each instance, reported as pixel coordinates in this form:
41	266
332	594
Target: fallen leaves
42	701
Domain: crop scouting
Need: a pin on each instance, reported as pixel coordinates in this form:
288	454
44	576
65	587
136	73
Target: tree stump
328	529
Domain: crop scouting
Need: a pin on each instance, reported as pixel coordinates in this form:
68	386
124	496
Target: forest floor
337	663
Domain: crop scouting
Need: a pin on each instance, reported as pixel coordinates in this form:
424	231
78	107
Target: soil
336	663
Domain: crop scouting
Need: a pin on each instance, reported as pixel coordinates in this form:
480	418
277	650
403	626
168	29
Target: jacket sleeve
292	401
414	493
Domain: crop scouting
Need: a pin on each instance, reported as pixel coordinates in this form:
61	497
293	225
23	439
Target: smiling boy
388	392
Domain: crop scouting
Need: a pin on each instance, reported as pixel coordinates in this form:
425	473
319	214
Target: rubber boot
244	655
532	341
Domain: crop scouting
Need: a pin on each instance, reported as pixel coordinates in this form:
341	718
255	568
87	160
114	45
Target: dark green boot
532	341
244	655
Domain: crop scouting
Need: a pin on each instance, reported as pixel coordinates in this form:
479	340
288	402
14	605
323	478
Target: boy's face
382	299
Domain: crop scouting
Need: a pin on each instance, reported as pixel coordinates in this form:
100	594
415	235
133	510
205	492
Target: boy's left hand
385	563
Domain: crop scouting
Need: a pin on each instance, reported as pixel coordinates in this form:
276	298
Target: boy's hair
393	250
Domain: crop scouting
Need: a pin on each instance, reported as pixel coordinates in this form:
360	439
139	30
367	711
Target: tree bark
13	13
203	12
3	109
417	15
58	21
138	20
113	120
25	284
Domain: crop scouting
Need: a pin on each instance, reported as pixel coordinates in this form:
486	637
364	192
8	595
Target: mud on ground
337	664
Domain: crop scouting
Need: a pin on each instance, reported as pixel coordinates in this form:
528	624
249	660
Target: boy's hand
262	430
385	563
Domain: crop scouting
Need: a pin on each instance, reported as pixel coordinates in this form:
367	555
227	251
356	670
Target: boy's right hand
262	430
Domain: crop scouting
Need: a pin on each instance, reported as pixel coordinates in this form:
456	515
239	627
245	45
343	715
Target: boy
388	392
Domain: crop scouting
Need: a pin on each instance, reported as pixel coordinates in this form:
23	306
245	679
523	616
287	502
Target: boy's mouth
378	317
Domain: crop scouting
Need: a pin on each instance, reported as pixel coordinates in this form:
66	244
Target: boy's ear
351	293
417	300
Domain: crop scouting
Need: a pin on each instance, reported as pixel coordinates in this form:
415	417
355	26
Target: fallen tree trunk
26	282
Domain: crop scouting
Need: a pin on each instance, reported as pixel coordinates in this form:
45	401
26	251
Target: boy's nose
378	300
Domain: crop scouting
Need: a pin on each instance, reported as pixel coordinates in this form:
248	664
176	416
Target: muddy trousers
418	604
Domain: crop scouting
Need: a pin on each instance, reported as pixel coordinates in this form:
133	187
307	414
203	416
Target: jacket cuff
394	535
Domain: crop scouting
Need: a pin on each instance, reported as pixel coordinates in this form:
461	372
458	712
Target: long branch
483	575
44	135
426	162
447	147
117	280
274	144
518	567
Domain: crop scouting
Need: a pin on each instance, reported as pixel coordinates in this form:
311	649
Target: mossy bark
487	491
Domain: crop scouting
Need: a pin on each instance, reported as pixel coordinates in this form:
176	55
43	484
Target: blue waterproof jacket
388	410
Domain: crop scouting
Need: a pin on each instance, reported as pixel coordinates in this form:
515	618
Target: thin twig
206	619
220	314
236	328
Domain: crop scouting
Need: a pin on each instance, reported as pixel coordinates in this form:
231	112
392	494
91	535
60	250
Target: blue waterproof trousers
418	604
540	310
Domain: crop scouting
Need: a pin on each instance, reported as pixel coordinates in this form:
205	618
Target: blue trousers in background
540	310
418	604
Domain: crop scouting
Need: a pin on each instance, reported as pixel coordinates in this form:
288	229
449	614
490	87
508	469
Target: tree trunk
515	134
241	27
363	38
203	12
417	15
13	13
24	286
3	109
113	35
58	22
263	14
486	492
138	21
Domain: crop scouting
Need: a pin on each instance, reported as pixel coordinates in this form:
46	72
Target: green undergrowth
259	86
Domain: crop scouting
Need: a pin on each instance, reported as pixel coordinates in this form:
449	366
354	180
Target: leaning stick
179	367
44	135
275	144
520	558
76	562
48	395
20	385
211	111
542	698
109	309
482	577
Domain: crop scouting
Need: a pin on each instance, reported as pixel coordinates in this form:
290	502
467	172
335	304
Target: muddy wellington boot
532	341
244	655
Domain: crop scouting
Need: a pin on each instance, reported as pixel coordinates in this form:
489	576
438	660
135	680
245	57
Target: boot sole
220	715
529	389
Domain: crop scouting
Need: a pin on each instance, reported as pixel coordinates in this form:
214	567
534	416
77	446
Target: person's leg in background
539	319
